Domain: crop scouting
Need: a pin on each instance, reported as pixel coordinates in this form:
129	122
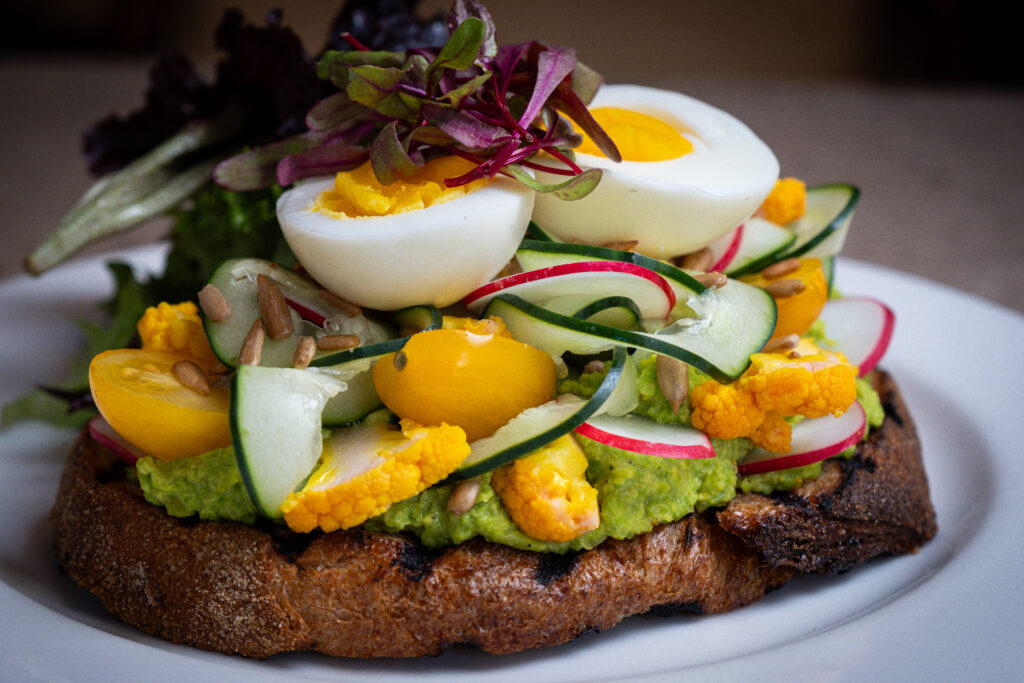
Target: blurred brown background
934	41
920	103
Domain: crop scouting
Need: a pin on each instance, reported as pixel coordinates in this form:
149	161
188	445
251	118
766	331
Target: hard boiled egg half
690	173
411	242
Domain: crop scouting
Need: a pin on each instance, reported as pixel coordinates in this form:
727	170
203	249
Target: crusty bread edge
257	592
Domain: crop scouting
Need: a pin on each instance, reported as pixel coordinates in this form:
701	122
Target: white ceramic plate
951	611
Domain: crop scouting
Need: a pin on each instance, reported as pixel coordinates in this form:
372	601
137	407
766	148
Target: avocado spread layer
635	492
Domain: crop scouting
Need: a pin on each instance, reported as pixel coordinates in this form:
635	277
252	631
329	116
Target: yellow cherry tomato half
139	395
798	312
476	381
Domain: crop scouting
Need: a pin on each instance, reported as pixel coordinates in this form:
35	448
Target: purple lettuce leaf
553	65
335	155
389	158
464	128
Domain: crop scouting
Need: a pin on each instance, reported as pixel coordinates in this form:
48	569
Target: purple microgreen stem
354	42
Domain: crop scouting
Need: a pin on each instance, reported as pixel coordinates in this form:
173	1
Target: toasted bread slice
259	591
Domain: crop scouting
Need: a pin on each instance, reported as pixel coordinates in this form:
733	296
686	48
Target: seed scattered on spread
783	267
304	352
337	342
673	380
347	307
217	368
401	360
192	376
780	289
463	496
701	260
711	280
273	308
213	303
252	345
785	343
621	245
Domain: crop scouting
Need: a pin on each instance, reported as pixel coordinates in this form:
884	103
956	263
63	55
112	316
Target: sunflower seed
252	345
463	496
673	380
213	303
780	289
192	376
701	260
273	308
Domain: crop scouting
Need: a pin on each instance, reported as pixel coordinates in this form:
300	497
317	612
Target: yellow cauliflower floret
773	434
812	383
724	411
366	468
546	494
786	202
176	328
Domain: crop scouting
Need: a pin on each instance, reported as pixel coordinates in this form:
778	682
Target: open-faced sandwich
534	354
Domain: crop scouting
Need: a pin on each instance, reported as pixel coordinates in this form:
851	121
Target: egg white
670	207
434	255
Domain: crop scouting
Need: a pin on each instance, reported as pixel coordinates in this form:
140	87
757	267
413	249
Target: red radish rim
730	251
785	462
306	313
655	448
103	434
493	287
882	345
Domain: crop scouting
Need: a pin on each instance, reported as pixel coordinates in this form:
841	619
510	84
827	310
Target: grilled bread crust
257	591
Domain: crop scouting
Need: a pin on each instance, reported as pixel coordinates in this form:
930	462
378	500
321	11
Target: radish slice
813	441
103	434
640	435
598	279
725	248
861	328
306	313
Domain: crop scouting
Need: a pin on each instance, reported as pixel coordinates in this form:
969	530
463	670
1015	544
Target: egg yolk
358	193
639	137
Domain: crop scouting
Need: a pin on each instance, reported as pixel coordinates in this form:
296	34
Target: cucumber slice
276	429
614	311
594	277
734	322
419	318
236	280
759	247
360	398
536	427
821	231
539	233
534	254
350	406
828	264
